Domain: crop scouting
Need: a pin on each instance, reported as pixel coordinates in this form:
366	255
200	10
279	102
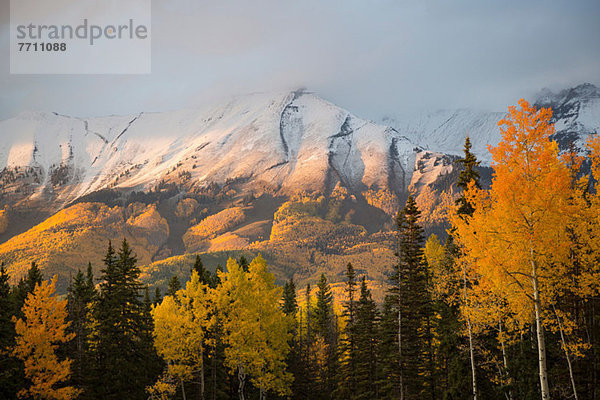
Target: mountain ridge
288	175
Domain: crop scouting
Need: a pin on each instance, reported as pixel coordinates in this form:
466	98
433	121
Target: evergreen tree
11	368
290	304
295	363
388	371
243	262
25	286
467	175
309	372
174	286
366	336
325	342
157	296
118	340
203	273
411	292
81	294
323	313
347	349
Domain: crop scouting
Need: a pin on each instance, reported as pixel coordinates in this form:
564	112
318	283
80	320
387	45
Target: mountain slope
286	142
576	115
288	175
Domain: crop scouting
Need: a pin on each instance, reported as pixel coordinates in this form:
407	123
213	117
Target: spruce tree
294	361
27	285
290	304
325	330
157	296
6	306
243	262
81	294
118	339
366	340
411	292
388	372
347	350
467	175
203	273
11	369
323	313
174	286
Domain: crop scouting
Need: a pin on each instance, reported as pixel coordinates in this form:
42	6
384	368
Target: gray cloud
372	57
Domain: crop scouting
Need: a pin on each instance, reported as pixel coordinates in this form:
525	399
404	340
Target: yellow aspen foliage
586	226
517	238
443	276
180	324
519	226
39	335
256	331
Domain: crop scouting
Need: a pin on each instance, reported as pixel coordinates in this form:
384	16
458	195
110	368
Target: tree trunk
470	331
263	393
539	331
564	345
183	390
504	359
242	381
201	395
401	382
213	371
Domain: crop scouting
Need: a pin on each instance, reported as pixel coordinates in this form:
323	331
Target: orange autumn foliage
517	240
39	335
522	220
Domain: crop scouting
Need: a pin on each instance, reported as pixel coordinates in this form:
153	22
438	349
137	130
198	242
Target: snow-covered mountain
286	141
576	115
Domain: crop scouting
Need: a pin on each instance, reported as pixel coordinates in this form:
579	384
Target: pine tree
157	296
290	304
323	312
325	329
388	371
174	286
39	334
119	326
11	368
81	294
25	286
347	350
202	272
452	367
243	262
366	336
412	293
295	363
467	175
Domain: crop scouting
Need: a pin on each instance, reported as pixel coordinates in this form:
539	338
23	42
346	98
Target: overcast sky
372	57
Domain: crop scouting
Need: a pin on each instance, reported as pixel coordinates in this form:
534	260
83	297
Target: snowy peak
576	113
292	141
279	142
